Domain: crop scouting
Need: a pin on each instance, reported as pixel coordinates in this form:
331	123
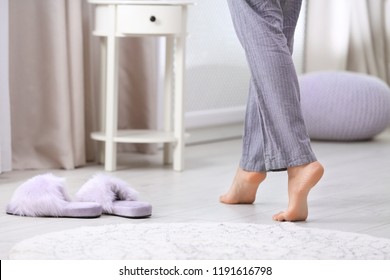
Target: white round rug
201	241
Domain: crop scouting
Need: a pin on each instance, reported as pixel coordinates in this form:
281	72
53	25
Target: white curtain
5	131
349	35
370	38
327	35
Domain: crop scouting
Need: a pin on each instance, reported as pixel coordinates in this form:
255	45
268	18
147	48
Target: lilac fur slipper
116	197
45	196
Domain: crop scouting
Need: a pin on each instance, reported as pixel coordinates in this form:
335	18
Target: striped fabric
275	135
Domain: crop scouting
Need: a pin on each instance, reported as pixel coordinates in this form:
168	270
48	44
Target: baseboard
214	125
214	117
214	133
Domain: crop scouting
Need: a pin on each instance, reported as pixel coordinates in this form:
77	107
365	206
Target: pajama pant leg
275	135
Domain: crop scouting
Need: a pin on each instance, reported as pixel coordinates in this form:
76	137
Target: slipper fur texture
105	190
42	195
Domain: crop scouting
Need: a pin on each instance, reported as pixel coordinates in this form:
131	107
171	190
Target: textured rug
203	241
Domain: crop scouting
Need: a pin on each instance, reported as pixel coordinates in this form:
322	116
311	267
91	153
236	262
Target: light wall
217	73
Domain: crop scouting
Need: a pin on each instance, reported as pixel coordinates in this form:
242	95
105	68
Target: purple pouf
344	106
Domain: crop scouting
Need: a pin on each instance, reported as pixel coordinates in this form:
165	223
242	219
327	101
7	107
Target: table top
142	2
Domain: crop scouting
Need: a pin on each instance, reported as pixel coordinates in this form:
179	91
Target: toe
278	217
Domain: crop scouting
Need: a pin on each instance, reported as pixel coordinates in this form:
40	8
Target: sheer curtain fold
54	81
368	38
327	35
349	35
5	127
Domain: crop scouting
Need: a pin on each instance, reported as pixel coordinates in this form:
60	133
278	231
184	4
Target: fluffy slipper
116	197
45	196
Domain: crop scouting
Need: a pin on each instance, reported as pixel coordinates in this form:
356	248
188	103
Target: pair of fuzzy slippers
45	196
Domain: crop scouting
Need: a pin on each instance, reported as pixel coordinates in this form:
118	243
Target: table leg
102	94
168	96
179	67
111	94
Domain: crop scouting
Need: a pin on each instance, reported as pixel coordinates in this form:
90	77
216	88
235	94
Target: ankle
251	177
312	167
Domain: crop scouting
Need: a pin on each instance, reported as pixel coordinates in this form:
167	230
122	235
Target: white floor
354	194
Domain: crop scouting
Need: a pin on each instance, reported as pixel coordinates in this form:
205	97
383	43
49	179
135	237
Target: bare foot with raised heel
301	179
244	187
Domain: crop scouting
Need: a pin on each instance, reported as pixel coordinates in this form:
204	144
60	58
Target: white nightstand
115	19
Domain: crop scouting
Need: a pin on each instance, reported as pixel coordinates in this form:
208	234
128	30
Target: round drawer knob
153	19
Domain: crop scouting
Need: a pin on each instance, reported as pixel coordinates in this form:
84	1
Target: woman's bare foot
244	187
301	179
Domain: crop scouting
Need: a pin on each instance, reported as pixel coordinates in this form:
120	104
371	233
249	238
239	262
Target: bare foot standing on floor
244	187
301	179
275	136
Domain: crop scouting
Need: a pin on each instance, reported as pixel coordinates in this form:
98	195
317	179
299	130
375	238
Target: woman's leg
275	136
246	182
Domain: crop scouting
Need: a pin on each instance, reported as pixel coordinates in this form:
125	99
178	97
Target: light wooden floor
354	194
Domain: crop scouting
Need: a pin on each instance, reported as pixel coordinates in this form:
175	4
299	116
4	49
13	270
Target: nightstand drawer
149	19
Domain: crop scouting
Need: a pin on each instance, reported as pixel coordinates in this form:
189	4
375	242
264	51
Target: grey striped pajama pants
275	135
